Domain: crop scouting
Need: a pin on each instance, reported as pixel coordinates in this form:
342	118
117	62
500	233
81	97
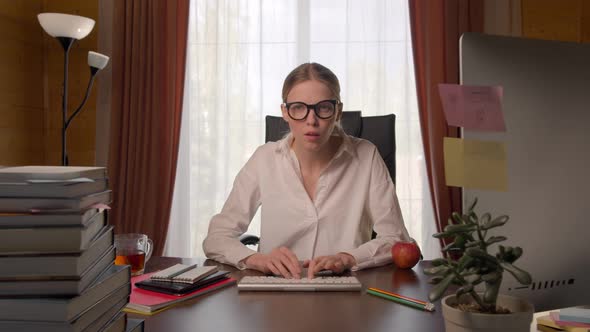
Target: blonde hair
311	71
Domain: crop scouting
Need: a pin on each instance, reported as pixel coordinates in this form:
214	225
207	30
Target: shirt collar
284	145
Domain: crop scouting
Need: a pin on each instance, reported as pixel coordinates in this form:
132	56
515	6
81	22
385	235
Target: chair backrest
379	130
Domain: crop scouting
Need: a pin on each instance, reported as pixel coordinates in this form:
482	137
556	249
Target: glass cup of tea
134	250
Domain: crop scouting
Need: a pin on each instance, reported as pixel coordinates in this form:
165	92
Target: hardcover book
50	239
70	188
65	308
91	319
48	218
25	173
31	204
117	324
134	325
57	286
47	266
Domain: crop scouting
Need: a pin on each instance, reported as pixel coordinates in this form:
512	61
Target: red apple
405	254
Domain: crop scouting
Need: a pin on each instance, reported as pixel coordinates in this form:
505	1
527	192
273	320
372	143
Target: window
239	55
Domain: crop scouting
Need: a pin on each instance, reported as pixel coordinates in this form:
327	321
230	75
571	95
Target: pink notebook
147	302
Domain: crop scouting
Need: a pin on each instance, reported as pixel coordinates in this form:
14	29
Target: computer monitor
546	107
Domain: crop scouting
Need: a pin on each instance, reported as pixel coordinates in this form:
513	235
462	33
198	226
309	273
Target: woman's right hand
281	262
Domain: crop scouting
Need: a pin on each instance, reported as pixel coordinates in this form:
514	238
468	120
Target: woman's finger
272	268
337	265
282	269
320	264
289	260
306	263
296	270
291	269
329	263
310	268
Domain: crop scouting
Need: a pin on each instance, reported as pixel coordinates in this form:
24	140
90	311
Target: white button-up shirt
354	195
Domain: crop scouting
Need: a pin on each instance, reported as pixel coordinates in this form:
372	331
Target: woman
322	192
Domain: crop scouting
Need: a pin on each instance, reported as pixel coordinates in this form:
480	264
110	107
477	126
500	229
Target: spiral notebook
178	288
188	274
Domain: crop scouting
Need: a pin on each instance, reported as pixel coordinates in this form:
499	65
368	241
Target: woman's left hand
337	263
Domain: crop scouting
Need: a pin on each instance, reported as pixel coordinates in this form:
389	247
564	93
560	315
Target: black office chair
379	130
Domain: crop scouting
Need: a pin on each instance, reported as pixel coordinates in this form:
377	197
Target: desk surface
230	310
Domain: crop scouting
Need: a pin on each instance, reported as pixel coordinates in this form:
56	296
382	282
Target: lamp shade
65	25
97	60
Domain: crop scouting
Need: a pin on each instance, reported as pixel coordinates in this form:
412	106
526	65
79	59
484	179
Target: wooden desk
229	310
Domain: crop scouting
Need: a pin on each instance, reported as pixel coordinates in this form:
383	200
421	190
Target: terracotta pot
519	320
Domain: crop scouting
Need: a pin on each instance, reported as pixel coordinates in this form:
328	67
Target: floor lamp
67	29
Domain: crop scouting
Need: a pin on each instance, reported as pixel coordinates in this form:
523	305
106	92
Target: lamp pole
93	71
67	29
66	43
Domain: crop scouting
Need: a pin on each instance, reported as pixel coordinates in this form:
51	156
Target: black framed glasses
324	109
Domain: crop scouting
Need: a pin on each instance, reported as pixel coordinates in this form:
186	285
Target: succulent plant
467	262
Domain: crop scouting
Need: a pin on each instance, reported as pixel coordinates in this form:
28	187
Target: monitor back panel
546	107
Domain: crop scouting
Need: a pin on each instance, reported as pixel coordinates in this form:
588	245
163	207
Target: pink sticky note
473	107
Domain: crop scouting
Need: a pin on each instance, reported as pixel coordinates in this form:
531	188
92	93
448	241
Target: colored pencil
415	305
398	295
429	306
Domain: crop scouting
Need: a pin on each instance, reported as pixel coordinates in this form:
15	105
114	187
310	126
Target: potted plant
469	309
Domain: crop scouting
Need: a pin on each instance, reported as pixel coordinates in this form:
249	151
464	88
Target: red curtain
149	53
436	26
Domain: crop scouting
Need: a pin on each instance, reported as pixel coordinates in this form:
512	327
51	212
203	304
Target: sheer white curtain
239	54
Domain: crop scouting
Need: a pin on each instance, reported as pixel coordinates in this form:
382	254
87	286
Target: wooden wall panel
586	21
31	68
21	86
563	20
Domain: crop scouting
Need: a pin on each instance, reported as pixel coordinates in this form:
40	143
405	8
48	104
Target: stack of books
56	252
569	319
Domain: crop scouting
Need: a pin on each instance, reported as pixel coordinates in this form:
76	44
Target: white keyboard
321	284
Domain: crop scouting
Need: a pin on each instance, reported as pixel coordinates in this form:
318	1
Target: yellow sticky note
475	164
454	163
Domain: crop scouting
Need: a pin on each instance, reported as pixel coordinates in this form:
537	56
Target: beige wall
31	68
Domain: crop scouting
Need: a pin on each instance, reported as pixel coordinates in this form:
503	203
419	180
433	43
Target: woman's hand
281	262
337	263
